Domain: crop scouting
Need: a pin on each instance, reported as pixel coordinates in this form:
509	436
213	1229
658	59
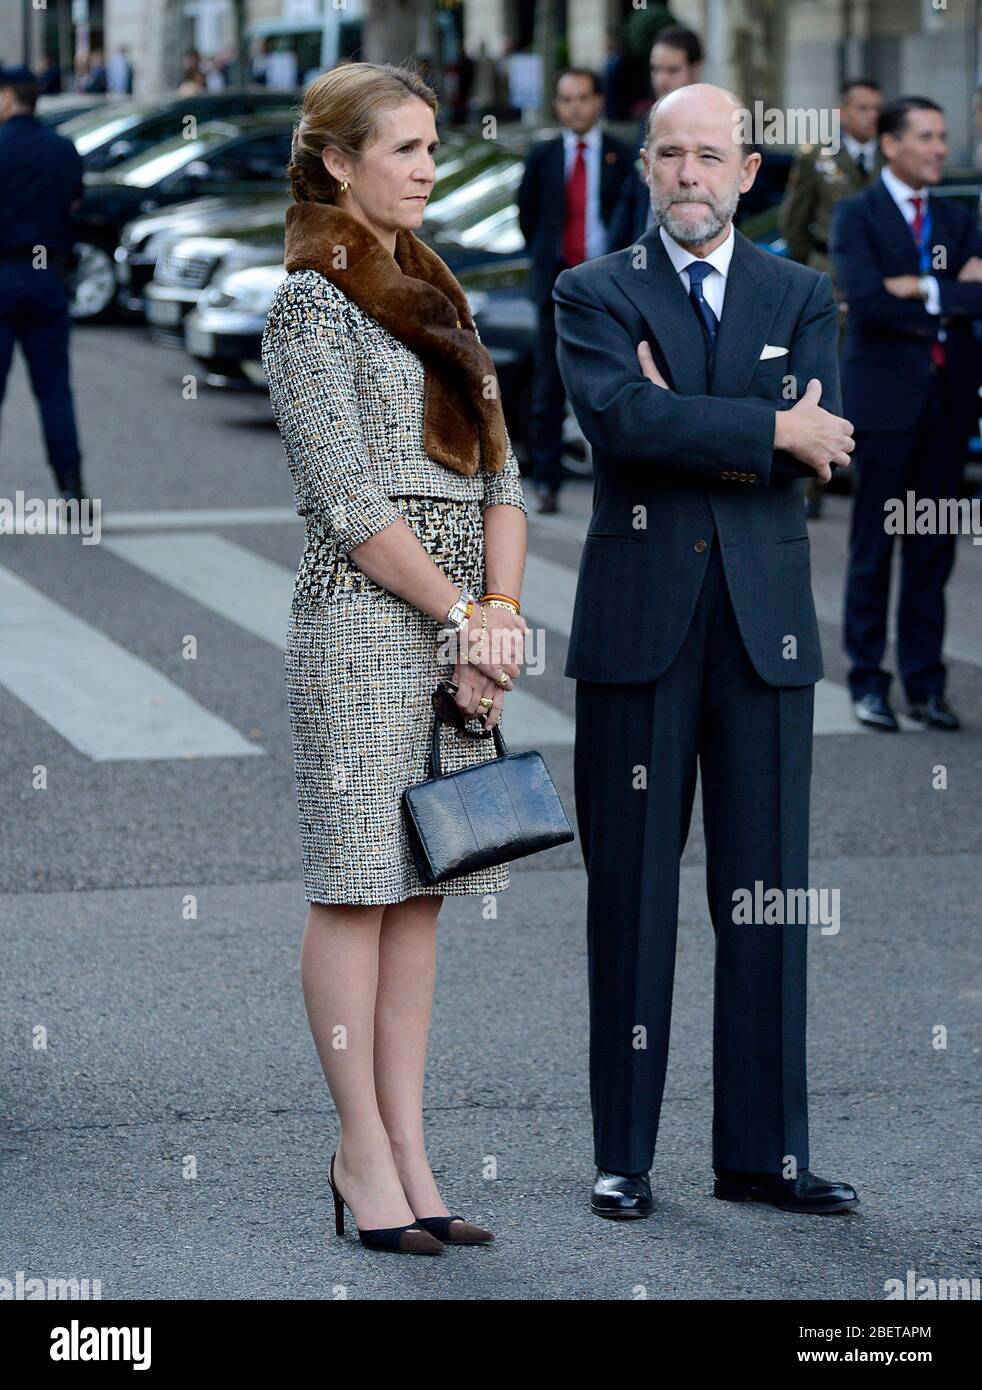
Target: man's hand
648	367
904	286
814	435
971	271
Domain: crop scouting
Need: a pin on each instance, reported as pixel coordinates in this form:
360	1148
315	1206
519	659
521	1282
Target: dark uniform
40	179
820	179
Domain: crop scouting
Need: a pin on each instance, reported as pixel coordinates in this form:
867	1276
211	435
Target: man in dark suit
40	188
695	645
910	269
821	178
567	195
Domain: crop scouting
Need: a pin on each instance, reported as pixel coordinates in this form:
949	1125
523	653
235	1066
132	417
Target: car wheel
95	281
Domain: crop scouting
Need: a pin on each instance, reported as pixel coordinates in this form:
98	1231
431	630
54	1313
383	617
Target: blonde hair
338	110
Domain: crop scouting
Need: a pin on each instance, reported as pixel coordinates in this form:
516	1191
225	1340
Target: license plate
164	311
199	344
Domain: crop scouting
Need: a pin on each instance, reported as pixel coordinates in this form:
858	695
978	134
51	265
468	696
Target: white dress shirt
596	232
714	286
868	151
901	193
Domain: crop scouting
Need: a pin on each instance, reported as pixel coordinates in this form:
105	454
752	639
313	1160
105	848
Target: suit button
724	475
743	477
751	477
699	547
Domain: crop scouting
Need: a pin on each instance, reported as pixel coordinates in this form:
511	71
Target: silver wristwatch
458	612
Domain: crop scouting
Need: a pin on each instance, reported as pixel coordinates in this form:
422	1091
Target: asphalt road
135	1039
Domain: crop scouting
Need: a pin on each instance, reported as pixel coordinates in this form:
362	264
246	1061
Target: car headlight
249	291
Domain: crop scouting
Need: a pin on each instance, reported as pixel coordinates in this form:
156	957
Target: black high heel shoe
461	1232
406	1240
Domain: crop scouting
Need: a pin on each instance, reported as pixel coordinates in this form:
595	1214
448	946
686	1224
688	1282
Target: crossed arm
617	409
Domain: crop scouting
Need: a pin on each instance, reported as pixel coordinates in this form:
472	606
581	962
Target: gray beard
694	235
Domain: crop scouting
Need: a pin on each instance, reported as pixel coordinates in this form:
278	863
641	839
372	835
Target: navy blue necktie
697	272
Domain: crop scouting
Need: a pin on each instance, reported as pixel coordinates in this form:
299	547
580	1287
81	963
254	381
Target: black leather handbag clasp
490	813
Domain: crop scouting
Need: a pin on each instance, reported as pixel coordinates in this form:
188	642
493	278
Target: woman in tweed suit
412	501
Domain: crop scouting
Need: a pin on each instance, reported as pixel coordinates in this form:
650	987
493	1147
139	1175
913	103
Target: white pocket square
771	351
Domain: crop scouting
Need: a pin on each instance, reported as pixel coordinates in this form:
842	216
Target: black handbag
490	813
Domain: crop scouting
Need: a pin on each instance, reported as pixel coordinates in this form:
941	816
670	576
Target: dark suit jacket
698	459
886	359
542	203
630	217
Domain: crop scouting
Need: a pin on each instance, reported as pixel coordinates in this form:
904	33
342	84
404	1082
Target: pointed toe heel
454	1230
406	1240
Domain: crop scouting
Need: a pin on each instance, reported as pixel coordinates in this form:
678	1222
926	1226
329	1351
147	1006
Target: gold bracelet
502	601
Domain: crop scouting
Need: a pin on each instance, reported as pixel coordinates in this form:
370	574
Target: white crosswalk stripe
104	700
548	600
113	705
255	592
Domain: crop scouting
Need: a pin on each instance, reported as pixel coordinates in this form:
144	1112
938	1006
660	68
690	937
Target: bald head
696	164
713	110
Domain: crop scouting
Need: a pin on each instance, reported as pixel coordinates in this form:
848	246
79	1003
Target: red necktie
917	227
574	230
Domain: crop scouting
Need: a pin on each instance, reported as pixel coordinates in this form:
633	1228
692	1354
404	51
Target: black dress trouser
928	461
547	406
752	745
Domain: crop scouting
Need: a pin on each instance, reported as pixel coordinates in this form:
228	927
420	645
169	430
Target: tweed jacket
348	399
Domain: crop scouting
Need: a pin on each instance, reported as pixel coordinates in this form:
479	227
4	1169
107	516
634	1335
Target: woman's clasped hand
492	651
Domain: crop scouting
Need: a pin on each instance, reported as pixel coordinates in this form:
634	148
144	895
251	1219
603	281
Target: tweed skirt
361	664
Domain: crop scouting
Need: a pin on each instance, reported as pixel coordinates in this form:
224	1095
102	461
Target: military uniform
40	179
821	177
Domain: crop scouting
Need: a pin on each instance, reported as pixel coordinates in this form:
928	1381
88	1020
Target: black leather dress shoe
548	502
623	1196
875	712
935	712
805	1193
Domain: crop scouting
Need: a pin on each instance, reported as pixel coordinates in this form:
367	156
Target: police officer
40	185
821	177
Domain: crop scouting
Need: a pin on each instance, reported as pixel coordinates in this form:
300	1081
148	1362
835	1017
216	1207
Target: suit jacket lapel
751	301
892	222
653	287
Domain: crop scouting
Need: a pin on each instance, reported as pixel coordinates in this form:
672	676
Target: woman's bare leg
339	971
407	967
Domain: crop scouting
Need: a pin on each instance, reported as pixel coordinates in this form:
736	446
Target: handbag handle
501	749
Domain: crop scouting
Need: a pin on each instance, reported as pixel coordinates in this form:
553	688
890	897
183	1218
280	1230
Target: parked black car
118	128
223	222
56	110
240	159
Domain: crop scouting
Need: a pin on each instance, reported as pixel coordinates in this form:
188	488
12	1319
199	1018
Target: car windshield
94	128
499	183
146	169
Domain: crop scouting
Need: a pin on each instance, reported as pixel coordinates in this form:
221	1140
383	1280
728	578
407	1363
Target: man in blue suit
910	269
567	196
695	364
40	187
